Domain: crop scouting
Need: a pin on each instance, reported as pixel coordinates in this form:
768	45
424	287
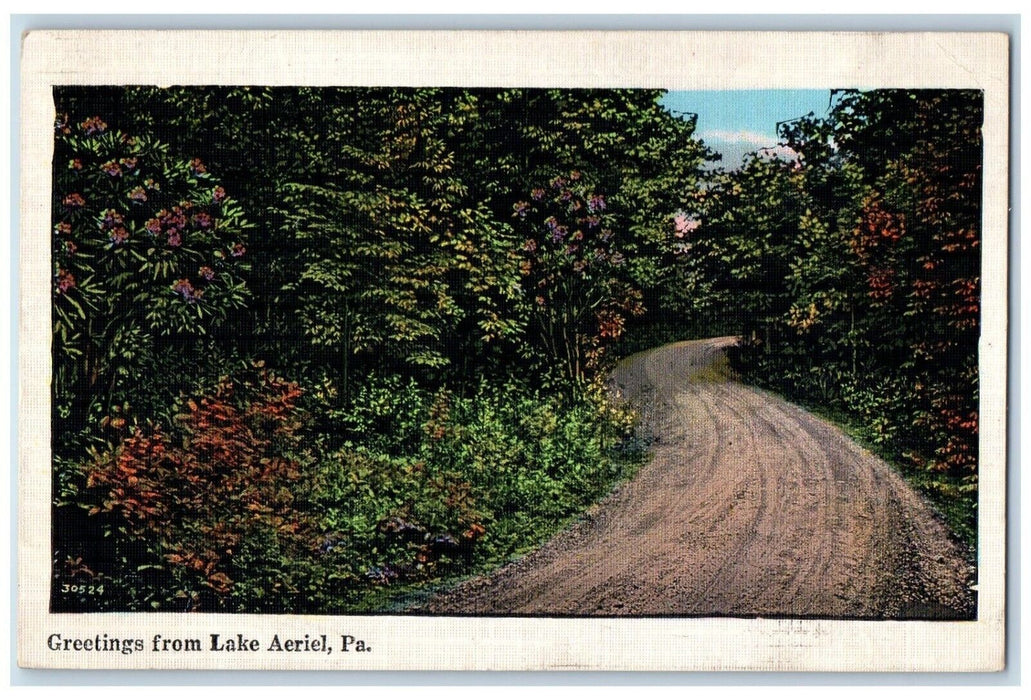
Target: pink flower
173	219
558	233
119	236
112	219
65	281
218	194
203	220
74	201
94	125
111	169
187	291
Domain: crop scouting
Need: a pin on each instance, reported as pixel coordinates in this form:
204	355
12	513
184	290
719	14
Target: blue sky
736	122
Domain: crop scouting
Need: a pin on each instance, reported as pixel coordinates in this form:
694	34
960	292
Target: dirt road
750	506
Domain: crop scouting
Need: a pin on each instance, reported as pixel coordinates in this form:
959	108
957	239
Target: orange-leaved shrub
218	502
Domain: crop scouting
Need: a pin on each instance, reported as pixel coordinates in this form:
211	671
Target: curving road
750	506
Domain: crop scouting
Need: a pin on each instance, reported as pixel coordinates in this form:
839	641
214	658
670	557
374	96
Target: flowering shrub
574	276
144	246
237	506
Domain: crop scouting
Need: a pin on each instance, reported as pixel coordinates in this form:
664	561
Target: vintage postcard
402	350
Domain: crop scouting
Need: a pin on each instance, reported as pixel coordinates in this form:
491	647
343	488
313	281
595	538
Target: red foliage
878	228
919	250
881	283
197	499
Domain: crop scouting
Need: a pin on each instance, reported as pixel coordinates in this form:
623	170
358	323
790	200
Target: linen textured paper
464	350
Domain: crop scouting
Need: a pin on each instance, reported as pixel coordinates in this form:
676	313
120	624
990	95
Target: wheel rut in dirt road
749	506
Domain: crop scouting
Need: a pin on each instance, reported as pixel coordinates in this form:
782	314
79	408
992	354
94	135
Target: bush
148	252
464	483
240	507
212	514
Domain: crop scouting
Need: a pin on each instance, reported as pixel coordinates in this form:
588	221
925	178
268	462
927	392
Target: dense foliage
855	267
333	396
149	257
312	345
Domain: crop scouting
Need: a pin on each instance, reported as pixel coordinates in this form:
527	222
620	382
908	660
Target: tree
574	268
921	222
399	261
858	262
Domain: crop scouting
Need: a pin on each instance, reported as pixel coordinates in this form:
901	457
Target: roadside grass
715	372
958	510
410	597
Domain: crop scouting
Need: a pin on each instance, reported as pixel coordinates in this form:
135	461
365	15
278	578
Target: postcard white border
671	60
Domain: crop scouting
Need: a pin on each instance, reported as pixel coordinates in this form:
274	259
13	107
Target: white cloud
752	138
735	145
780	151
